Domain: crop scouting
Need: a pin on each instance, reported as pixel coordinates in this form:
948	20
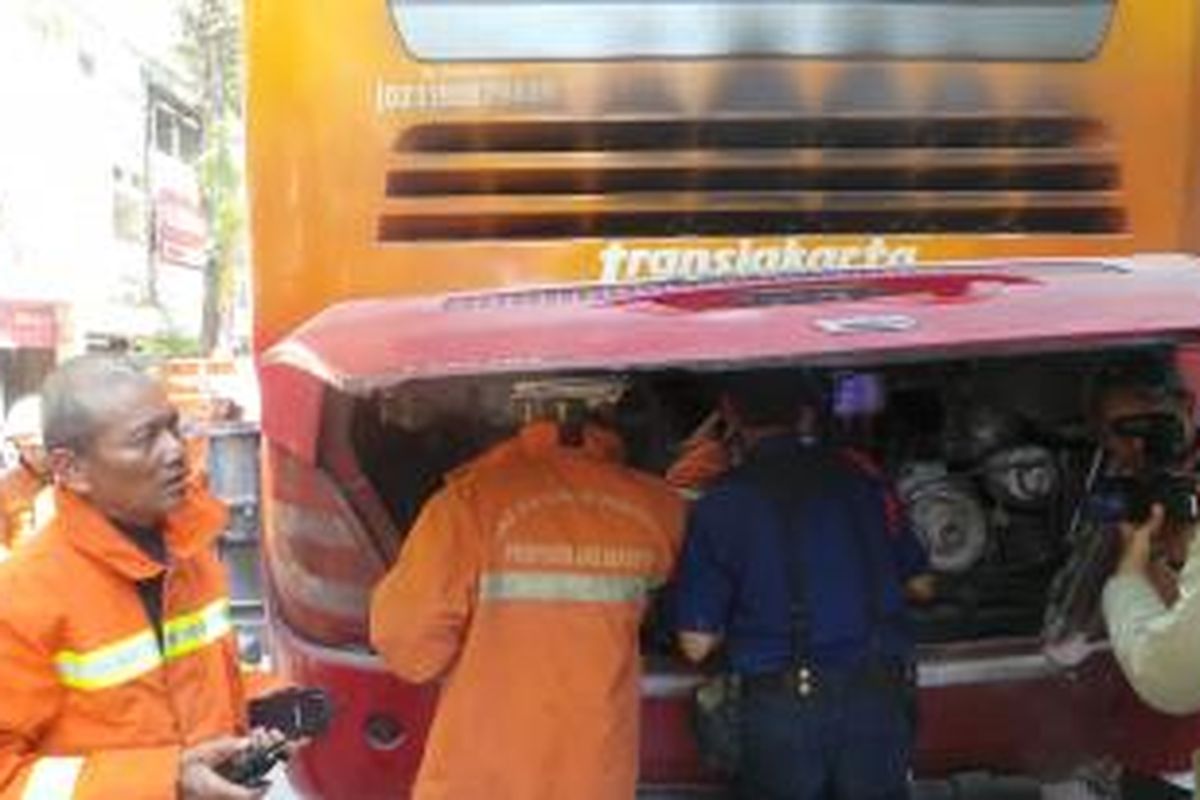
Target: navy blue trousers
847	741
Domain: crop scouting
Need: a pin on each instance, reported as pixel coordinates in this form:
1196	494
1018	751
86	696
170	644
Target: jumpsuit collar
188	530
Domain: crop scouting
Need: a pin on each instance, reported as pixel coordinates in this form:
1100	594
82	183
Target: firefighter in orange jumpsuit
704	456
26	499
522	586
117	656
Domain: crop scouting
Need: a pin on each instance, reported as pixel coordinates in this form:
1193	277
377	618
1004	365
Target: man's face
135	470
31	452
1126	454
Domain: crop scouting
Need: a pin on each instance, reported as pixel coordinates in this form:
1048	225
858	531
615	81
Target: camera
296	713
1165	479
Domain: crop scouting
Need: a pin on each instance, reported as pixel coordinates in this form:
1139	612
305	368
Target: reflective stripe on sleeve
110	665
188	633
562	586
53	778
134	656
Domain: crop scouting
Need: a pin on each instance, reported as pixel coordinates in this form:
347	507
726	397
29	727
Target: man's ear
67	468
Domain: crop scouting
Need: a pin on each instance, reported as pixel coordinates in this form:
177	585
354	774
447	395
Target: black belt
805	680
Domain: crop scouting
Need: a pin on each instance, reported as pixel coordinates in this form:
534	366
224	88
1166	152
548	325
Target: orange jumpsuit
702	461
26	504
96	701
523	583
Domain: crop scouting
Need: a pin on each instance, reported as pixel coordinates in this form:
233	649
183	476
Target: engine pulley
946	516
1024	477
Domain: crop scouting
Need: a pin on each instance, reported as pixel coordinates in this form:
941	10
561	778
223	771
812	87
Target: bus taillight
319	562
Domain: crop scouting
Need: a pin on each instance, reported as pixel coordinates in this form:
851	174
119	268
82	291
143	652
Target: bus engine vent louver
968	174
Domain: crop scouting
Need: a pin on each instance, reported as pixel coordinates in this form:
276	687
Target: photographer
1156	639
1151	609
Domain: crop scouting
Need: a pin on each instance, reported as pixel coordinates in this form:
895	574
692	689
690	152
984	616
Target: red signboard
180	226
27	324
182	233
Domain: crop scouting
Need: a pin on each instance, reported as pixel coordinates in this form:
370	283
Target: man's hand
198	779
698	645
1176	542
921	588
265	738
1164	579
1137	541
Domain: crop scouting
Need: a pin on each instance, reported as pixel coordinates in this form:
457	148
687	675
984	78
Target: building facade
102	231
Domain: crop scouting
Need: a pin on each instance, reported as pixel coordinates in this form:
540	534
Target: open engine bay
991	456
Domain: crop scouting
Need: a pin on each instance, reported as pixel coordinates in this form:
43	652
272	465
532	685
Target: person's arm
704	585
912	566
908	555
420	609
1157	647
702	461
33	696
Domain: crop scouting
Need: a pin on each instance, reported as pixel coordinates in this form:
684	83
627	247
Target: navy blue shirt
734	580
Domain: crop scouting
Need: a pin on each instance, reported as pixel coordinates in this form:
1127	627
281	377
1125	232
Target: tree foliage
211	48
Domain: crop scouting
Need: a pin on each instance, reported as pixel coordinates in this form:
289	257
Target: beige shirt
1158	647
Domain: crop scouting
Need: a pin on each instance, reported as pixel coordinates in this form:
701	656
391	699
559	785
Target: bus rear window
1004	30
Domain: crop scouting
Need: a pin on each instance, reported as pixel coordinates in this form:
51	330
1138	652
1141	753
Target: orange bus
421	145
935	203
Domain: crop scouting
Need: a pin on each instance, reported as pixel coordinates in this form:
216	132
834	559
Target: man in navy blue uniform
799	561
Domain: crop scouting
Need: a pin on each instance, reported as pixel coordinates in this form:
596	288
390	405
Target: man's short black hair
1150	375
773	397
75	392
